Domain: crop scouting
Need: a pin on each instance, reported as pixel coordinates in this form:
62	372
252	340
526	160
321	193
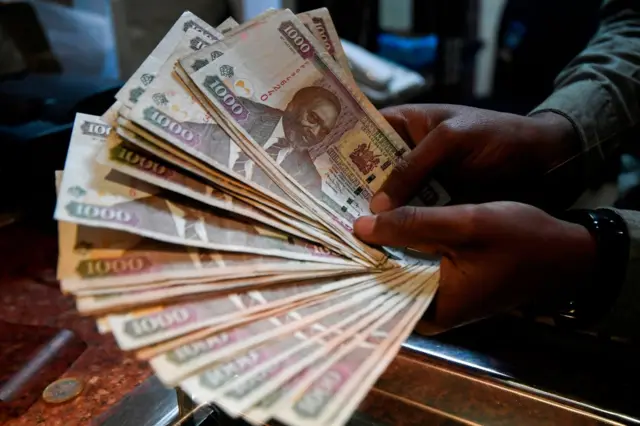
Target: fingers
411	172
414	121
421	126
440	227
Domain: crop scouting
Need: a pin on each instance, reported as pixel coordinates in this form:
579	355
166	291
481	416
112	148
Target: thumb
418	227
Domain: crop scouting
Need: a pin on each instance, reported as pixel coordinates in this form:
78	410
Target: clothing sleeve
599	90
599	93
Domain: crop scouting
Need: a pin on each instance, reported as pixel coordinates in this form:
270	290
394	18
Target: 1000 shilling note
92	258
302	116
338	386
171	370
94	195
132	160
278	399
140	138
319	22
129	94
227	25
307	346
175	321
128	298
169	111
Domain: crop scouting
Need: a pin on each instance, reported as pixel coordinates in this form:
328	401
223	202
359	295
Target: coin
62	390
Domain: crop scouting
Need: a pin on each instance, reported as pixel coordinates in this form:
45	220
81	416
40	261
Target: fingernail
363	227
380	202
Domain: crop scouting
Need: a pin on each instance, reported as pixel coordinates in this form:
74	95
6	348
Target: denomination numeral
227	98
95	129
172	126
324	37
297	39
151	324
91	211
192	350
104	267
142	162
229	101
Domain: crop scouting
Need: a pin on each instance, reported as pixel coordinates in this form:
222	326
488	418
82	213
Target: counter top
503	371
29	295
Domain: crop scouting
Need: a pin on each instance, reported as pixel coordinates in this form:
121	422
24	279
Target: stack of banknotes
206	221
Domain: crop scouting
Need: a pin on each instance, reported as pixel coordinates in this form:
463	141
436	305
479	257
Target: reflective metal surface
150	404
562	370
505	371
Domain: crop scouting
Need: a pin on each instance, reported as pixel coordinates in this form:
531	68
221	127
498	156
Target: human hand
480	155
495	256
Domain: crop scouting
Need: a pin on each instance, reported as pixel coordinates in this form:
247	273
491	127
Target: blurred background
58	57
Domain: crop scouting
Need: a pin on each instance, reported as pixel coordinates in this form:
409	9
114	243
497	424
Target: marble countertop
29	295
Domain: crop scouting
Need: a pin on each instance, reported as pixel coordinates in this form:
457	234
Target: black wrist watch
592	300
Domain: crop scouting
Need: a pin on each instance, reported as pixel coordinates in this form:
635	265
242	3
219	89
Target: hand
480	155
495	256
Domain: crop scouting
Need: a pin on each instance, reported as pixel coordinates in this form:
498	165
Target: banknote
133	161
237	383
94	195
151	143
163	110
169	111
347	375
150	352
171	369
303	117
242	193
131	91
133	333
276	122
92	258
137	288
277	398
227	25
319	22
141	138
126	298
262	377
111	115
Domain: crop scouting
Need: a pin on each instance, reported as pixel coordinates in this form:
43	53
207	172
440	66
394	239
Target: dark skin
496	254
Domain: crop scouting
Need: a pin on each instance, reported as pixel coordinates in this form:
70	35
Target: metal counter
504	371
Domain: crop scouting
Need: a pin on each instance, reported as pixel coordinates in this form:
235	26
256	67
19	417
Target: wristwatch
592	300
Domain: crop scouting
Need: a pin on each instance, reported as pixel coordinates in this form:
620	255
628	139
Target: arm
599	93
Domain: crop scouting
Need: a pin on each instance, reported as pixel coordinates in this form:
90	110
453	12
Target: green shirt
599	92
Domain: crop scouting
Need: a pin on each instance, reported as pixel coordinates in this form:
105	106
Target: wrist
559	158
558	139
597	287
580	256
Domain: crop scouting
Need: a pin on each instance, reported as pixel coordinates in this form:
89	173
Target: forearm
599	91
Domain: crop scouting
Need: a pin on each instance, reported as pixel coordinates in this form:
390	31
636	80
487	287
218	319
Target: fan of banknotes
205	220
